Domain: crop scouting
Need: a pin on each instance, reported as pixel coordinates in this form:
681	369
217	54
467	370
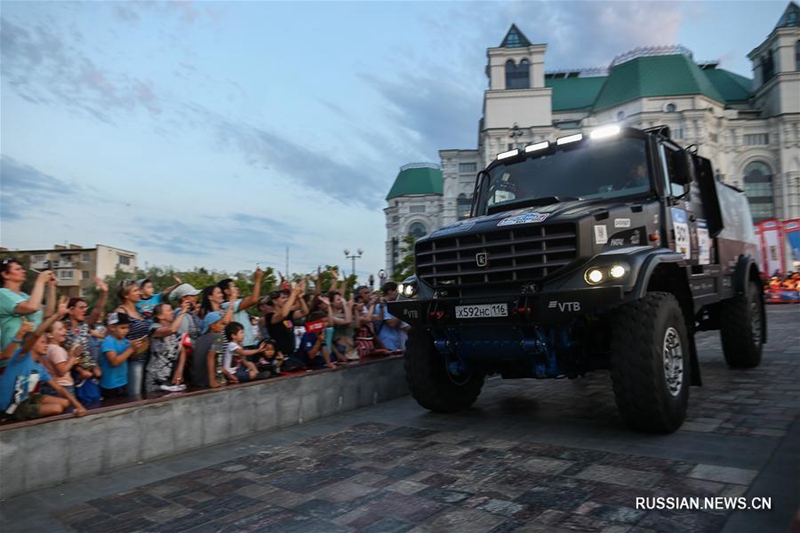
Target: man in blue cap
208	351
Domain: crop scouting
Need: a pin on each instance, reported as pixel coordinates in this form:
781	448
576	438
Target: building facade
74	266
748	128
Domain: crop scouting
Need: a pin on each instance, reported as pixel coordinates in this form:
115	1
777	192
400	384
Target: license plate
481	311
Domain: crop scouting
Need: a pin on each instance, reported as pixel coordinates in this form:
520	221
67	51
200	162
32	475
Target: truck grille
514	256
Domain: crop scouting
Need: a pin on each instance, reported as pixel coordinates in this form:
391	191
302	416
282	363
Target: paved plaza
530	456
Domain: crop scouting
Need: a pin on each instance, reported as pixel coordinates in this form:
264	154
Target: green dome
667	75
417	178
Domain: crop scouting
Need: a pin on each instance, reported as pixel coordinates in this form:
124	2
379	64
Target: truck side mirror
682	169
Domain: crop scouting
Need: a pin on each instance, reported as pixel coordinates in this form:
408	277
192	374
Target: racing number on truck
680	223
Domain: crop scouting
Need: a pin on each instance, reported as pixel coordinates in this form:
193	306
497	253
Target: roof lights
536	147
569	139
506	155
605	131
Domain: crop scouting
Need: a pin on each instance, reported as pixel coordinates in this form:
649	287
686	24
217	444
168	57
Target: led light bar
569	139
605	131
506	155
536	147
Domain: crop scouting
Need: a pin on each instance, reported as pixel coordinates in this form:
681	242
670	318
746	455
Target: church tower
517	105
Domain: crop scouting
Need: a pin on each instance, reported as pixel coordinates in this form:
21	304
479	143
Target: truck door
682	202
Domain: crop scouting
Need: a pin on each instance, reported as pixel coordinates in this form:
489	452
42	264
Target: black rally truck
600	251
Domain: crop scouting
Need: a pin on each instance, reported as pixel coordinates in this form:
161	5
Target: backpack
88	391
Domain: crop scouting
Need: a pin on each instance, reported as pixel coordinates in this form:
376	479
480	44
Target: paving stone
462	521
724	474
620	476
546	466
404	486
387	525
682	521
501	507
443	495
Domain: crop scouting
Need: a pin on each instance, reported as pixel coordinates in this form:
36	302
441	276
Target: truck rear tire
431	384
650	363
741	320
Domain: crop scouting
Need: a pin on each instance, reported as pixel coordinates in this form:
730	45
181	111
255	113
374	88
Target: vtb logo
482	259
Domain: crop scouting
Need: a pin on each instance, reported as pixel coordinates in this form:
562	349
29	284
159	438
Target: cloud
24	189
221	235
438	111
286	159
42	65
591	34
438	99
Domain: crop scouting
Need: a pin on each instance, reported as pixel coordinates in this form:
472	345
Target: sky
219	134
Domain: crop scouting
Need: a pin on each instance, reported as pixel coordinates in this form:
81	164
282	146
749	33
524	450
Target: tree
405	267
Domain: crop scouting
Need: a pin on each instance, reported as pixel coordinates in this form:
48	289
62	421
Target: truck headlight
594	276
597	275
617	271
408	289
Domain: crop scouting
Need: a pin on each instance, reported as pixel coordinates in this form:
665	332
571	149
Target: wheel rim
672	352
456	379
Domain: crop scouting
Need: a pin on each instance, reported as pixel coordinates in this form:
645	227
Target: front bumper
532	309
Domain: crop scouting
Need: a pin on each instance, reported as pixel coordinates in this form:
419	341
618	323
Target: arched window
758	188
670	108
620	115
417	230
518	76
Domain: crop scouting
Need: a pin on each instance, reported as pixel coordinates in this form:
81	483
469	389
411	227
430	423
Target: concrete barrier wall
48	452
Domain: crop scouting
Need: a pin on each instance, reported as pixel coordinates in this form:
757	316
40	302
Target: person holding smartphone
15	305
138	334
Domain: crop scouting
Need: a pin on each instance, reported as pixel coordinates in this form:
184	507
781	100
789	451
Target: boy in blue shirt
312	351
19	396
116	350
149	299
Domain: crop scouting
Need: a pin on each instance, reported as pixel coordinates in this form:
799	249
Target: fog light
617	272
594	276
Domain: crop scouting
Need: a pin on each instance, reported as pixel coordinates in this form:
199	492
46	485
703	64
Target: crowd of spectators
783	288
57	354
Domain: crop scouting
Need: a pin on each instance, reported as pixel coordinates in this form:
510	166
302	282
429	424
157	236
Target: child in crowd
271	359
61	363
149	300
208	352
116	350
340	315
167	354
235	365
19	399
312	352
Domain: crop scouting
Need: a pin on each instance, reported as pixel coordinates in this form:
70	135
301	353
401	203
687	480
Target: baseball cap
115	319
184	289
211	318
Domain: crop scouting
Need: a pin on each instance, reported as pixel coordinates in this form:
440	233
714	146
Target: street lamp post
356	255
382	277
515	133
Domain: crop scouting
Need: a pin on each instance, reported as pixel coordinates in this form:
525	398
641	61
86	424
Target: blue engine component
550	352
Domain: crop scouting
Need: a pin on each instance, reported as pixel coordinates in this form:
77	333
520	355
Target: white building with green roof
748	128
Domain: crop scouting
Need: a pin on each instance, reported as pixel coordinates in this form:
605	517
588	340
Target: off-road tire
638	339
430	383
741	322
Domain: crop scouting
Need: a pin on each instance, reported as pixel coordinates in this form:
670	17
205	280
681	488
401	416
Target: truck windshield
609	169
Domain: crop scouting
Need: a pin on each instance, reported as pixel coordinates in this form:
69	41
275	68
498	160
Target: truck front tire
650	363
741	322
430	383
